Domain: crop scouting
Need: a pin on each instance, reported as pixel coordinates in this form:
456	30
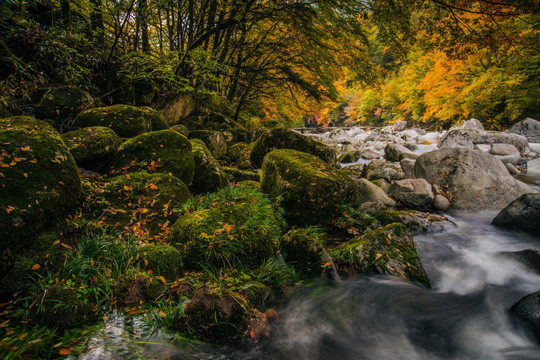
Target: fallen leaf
66	246
162	279
162	314
25	148
152	187
64	352
35	267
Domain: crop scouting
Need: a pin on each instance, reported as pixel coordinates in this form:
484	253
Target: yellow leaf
145	262
162	279
127	188
25	175
26	148
204	235
378	256
35	267
23	336
66	246
162	314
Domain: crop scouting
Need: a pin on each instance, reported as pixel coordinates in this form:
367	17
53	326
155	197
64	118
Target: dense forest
332	61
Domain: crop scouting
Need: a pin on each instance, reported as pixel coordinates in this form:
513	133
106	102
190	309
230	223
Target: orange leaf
162	314
145	262
9	209
327	264
252	333
228	227
152	186
378	256
162	279
26	148
22	336
61	183
204	235
66	246
64	352
35	267
25	175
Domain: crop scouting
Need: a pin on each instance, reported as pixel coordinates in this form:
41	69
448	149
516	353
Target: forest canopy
338	61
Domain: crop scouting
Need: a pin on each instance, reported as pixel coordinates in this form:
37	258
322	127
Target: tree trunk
66	13
96	21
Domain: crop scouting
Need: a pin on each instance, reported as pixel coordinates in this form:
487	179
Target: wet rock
416	221
512	169
208	175
182	129
471	179
529	128
125	120
287	139
214	141
310	189
259	326
527	310
369	192
387	250
380	169
521	214
407	165
350	157
383	184
441	202
92	147
164	151
528	257
414	193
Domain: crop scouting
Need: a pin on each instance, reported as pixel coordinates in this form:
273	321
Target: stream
464	315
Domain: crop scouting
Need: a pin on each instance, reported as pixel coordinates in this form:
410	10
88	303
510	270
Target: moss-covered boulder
92	147
250	183
238	175
387	250
214	141
182	129
234	226
416	221
310	189
380	169
62	105
350	157
208	177
287	139
163	260
125	120
39	180
239	156
147	201
304	249
164	151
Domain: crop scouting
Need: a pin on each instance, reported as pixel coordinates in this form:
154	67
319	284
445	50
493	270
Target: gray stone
383	184
415	193
471	178
522	214
469	138
504	149
407	166
471	124
529	128
368	192
528	311
512	169
395	152
379	169
441	203
214	141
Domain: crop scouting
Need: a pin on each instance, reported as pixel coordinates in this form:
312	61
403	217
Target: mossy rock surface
92	147
145	200
182	129
250	183
350	157
164	151
238	175
416	221
163	260
304	249
39	180
380	169
311	190
288	139
239	156
125	120
388	250
233	226
214	141
62	105
208	176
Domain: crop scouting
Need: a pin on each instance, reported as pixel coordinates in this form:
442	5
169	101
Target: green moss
164	151
238	175
304	249
386	250
141	199
125	120
163	260
39	180
250	183
233	226
239	155
208	176
287	139
182	129
416	221
92	146
350	157
310	189
62	105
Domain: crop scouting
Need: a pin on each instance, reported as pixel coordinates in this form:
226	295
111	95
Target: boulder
369	192
395	153
39	180
239	155
236	226
521	214
387	250
163	260
125	120
164	151
441	202
527	310
528	257
383	184
214	141
416	221
469	138
414	193
238	175
471	179
62	105
350	157
287	139
208	176
407	166
529	128
303	249
380	169
310	189
182	129
146	200
471	124
92	147
504	150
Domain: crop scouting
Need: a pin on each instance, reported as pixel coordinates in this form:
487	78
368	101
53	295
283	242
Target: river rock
280	138
310	189
395	152
471	124
441	202
407	166
350	157
305	251
383	185
529	128
522	214
92	147
414	193
504	149
417	222
369	192
125	120
469	138
512	169
471	178
214	141
528	257
380	169
208	175
387	250
164	151
528	311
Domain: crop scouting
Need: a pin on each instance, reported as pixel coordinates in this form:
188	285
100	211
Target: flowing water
464	316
